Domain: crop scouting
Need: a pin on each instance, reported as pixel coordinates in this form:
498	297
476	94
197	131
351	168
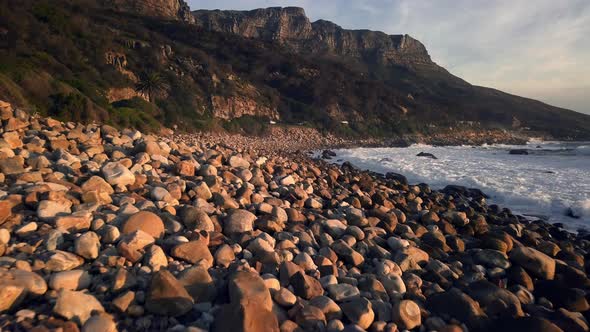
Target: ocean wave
546	184
581	209
583	150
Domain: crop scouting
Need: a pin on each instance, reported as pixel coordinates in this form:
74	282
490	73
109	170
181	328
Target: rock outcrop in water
105	230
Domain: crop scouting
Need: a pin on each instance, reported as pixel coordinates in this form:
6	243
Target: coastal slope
155	63
117	230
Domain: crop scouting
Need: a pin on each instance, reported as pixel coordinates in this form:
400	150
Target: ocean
552	182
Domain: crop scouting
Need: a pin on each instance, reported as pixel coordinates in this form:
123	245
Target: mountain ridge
290	26
238	70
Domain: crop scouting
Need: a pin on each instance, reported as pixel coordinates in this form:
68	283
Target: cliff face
176	10
291	27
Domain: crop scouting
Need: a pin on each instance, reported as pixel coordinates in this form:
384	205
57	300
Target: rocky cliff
291	27
168	9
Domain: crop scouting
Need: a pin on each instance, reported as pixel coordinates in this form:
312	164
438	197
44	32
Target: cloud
537	49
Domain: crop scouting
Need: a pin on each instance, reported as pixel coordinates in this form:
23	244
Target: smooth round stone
145	221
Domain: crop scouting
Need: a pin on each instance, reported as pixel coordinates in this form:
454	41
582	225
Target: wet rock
562	296
519	152
495	301
426	155
342	292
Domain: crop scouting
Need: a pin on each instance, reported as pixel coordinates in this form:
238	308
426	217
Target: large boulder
250	307
458	305
32	283
561	295
198	283
495	301
238	221
167	296
535	262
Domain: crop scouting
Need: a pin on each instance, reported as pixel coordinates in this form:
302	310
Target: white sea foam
552	179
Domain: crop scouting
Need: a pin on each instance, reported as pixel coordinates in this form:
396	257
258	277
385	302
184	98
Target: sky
532	48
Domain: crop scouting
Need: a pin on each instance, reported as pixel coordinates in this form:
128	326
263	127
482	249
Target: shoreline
106	229
291	139
545	187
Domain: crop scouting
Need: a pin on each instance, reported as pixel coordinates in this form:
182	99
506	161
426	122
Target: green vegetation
53	60
151	84
72	106
249	125
136	113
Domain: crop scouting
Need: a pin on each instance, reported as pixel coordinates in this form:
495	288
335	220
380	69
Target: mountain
165	9
144	63
291	27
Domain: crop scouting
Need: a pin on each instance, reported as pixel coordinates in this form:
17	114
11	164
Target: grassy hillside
69	59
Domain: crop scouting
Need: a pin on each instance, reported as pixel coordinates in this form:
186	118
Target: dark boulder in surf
426	155
464	191
398	177
328	154
519	152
